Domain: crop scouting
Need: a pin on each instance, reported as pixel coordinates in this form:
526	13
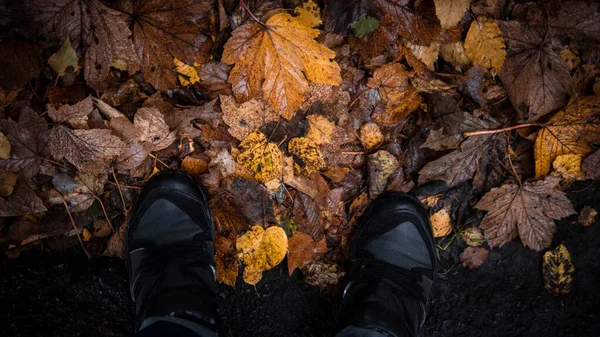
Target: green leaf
364	25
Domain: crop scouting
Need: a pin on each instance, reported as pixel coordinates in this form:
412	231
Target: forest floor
68	295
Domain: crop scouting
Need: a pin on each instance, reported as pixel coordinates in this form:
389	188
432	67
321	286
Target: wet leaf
261	250
321	274
307	156
309	13
527	211
226	260
380	166
320	129
587	216
450	12
22	201
64	59
571	131
591	165
80	191
370	135
245	118
302	250
260	157
76	115
558	271
473	257
568	166
364	25
418	24
251	199
455	54
4	147
441	223
472	236
194	166
485	46
284	82
187	73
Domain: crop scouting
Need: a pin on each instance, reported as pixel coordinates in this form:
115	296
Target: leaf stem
89	256
487	132
243	3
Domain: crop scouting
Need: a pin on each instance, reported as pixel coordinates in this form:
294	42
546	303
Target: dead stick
89	256
487	132
243	3
120	192
104	211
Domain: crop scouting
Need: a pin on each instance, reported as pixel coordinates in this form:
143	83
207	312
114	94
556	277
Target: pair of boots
170	258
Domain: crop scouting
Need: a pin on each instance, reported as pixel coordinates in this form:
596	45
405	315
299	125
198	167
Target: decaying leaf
455	54
4	147
473	257
587	216
260	157
75	115
380	165
226	260
591	165
370	135
568	166
309	13
115	247
527	211
307	156
571	131
7	182
558	271
451	11
260	250
80	191
64	59
320	129
276	61
321	274
245	118
364	25
187	73
302	250
22	201
194	166
485	46
472	236
441	223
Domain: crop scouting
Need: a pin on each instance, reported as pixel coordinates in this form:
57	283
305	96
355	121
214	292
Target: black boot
170	251
393	268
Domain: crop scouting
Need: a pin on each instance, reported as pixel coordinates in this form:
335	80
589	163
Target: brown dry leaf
558	271
115	247
441	223
97	31
309	13
591	165
80	191
28	139
455	54
4	147
485	46
7	182
260	250
534	76
194	166
251	199
213	76
473	257
64	59
307	156
184	120
20	61
163	30
320	129
472	236
571	131
568	166
527	211
450	12
401	98
260	157
587	216
380	166
415	22
245	118
227	264
322	274
22	201
278	59
309	215
302	250
89	150
187	73
76	115
428	55
370	135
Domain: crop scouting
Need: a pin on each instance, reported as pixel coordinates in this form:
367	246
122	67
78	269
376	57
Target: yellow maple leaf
260	157
309	13
571	131
568	166
307	153
485	46
261	250
277	60
187	74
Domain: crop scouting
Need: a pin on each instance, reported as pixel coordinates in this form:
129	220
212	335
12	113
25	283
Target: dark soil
68	295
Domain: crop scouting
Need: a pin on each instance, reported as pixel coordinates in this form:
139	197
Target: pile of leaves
295	115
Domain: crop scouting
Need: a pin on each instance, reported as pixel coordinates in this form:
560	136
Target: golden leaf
260	157
187	74
587	216
320	129
194	166
63	59
370	135
307	156
558	271
441	223
571	131
245	118
261	250
277	60
309	13
450	12
568	166
485	46
454	53
86	235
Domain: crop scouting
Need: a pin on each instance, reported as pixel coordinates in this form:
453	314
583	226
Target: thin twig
89	256
120	192
127	186
487	132
104	211
357	98
56	163
509	150
157	159
353	152
243	3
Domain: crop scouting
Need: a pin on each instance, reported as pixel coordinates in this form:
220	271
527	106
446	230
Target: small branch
89	256
157	159
104	211
120	192
487	132
243	3
352	153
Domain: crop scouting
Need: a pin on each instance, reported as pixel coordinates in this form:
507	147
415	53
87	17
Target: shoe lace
405	282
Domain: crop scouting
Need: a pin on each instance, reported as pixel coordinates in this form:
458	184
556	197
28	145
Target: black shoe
393	268
170	251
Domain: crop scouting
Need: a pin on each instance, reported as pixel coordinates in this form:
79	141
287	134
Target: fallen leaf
187	74
307	156
455	54
7	182
527	211
591	165
426	54
587	216
22	201
370	135
227	264
20	61
228	219
251	199
534	76
89	150
571	131
213	76
401	98
64	59
568	166
86	235
320	129
194	166
76	115
380	166
308	215
163	30
302	250
28	139
245	118
80	191
261	250
450	12
115	247
439	140
472	236
309	13
184	120
473	257
441	223
4	147
224	162
322	274
415	22
278	59
260	157
576	20
485	46
558	271
364	25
